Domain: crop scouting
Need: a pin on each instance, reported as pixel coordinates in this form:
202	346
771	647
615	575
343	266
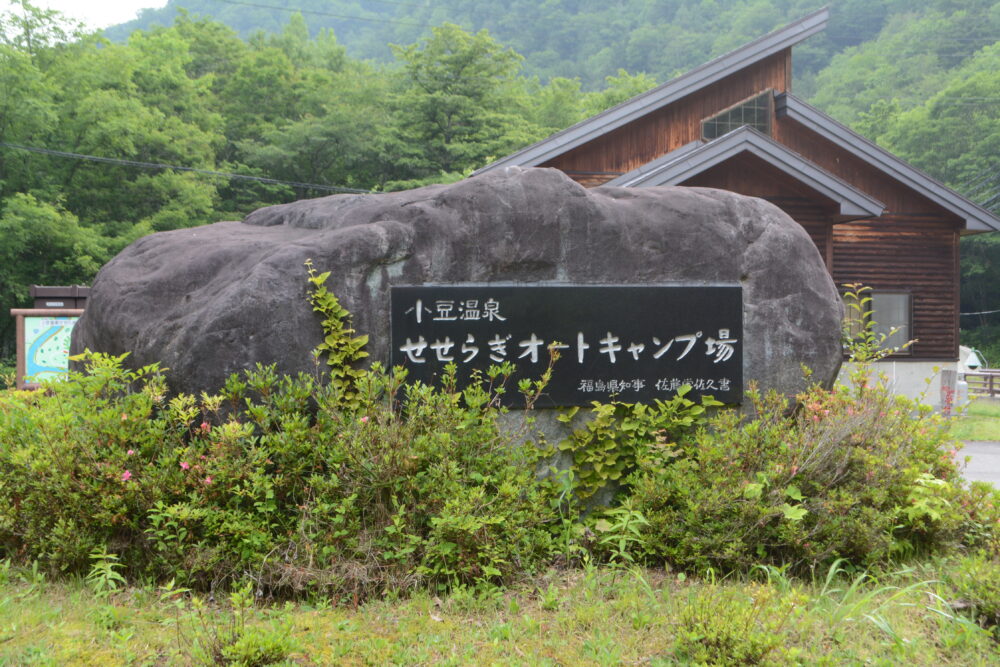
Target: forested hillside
312	102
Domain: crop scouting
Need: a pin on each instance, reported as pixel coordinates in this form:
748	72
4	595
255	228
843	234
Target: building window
755	112
892	315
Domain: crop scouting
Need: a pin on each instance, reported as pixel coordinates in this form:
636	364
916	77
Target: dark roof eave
695	157
977	218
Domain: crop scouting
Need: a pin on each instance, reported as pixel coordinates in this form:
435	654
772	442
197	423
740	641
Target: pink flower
208	480
131	452
205	427
185	465
364	420
124	417
126	476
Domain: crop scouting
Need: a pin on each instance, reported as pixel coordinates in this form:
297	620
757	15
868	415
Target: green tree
260	94
911	60
27	114
955	134
621	87
31	29
557	105
955	137
461	102
41	243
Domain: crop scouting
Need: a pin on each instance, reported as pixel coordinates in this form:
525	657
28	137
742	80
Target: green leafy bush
348	486
237	642
294	488
8	372
854	474
729	626
974	581
621	436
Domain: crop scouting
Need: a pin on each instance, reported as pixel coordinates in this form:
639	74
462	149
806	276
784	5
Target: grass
980	421
588	616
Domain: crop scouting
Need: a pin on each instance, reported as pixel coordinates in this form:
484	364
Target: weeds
570	617
104	577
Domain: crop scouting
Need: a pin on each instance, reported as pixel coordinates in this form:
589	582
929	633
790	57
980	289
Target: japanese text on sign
628	343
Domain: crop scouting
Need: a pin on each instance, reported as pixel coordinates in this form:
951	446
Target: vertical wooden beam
828	253
788	70
19	372
957	290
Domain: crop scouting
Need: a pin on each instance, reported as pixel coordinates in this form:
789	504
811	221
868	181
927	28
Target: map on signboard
46	345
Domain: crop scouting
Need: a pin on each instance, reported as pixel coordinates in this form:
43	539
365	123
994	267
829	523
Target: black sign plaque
624	343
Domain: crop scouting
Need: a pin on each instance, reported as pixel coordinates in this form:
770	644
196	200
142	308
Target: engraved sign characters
627	343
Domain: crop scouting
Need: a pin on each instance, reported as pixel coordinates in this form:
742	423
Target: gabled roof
976	217
675	89
691	159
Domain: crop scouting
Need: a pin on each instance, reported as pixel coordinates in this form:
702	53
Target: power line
158	165
403	4
984	312
319	13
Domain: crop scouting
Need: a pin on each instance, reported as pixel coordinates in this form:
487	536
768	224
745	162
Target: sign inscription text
625	343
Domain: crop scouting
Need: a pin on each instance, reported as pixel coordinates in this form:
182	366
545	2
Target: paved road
985	463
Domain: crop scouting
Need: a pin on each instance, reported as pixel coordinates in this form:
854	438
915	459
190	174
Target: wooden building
734	124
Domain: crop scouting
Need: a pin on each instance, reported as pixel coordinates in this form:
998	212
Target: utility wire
403	4
319	13
158	165
983	312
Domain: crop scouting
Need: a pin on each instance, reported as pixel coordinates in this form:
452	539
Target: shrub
296	488
621	436
729	626
854	474
8	372
974	581
68	456
237	642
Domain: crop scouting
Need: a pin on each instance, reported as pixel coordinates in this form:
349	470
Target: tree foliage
287	106
258	91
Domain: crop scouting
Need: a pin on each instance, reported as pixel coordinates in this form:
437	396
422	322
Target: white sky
96	13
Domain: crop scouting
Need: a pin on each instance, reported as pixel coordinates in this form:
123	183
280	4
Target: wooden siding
898	198
912	254
912	247
671	127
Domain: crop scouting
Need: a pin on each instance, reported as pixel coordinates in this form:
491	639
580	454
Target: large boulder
212	300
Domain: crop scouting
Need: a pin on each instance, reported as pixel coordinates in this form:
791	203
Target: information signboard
626	343
43	338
